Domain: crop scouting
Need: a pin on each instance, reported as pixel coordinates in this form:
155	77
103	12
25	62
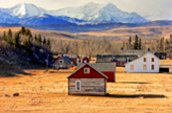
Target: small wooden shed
87	81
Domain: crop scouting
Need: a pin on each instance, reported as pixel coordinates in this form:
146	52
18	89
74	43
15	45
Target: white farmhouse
148	63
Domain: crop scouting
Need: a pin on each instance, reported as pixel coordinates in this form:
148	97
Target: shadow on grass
13	73
134	82
136	96
129	96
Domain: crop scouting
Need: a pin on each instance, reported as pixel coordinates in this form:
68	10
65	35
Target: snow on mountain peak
92	13
100	13
26	10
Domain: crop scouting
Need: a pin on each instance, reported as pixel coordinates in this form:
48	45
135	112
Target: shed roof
104	66
81	66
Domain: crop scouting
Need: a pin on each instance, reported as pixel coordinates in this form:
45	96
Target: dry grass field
46	92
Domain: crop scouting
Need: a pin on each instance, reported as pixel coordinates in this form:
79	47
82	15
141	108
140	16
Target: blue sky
151	9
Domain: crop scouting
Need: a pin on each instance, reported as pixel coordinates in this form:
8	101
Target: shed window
153	59
86	70
78	85
144	59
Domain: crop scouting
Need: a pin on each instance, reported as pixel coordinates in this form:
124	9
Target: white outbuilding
148	63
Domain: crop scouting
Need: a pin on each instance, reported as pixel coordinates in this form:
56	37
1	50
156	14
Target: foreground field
46	92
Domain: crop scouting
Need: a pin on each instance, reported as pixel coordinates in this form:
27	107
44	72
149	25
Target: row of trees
133	44
85	47
24	38
165	45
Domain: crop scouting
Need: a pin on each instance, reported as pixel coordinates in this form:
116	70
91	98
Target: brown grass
46	92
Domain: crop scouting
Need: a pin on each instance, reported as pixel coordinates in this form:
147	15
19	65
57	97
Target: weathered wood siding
88	86
170	70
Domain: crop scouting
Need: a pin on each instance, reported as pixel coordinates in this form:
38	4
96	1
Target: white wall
88	86
139	64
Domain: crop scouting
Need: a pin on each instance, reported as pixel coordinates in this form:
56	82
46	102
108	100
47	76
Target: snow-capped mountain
98	13
91	13
26	10
89	17
49	20
6	18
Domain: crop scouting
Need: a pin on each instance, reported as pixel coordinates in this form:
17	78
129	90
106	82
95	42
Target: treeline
25	39
85	47
165	45
27	48
155	45
133	44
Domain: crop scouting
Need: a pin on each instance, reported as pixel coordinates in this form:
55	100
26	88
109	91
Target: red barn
108	69
85	60
87	81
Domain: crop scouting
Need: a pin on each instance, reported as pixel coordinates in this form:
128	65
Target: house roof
142	57
81	66
66	58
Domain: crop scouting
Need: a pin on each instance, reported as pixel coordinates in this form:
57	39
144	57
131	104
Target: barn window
131	67
61	61
153	67
153	59
144	59
78	85
144	67
86	70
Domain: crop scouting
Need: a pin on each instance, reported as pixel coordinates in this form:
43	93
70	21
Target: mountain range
91	16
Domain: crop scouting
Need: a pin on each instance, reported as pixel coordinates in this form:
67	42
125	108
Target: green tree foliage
8	38
23	30
136	43
130	43
39	39
140	43
17	40
162	42
10	34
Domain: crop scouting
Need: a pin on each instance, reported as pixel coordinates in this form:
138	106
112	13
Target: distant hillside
24	49
146	32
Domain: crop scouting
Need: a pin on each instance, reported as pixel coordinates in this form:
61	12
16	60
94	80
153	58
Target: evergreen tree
161	48
49	43
136	43
23	30
130	43
8	38
44	41
4	36
28	33
17	40
140	44
39	39
10	33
